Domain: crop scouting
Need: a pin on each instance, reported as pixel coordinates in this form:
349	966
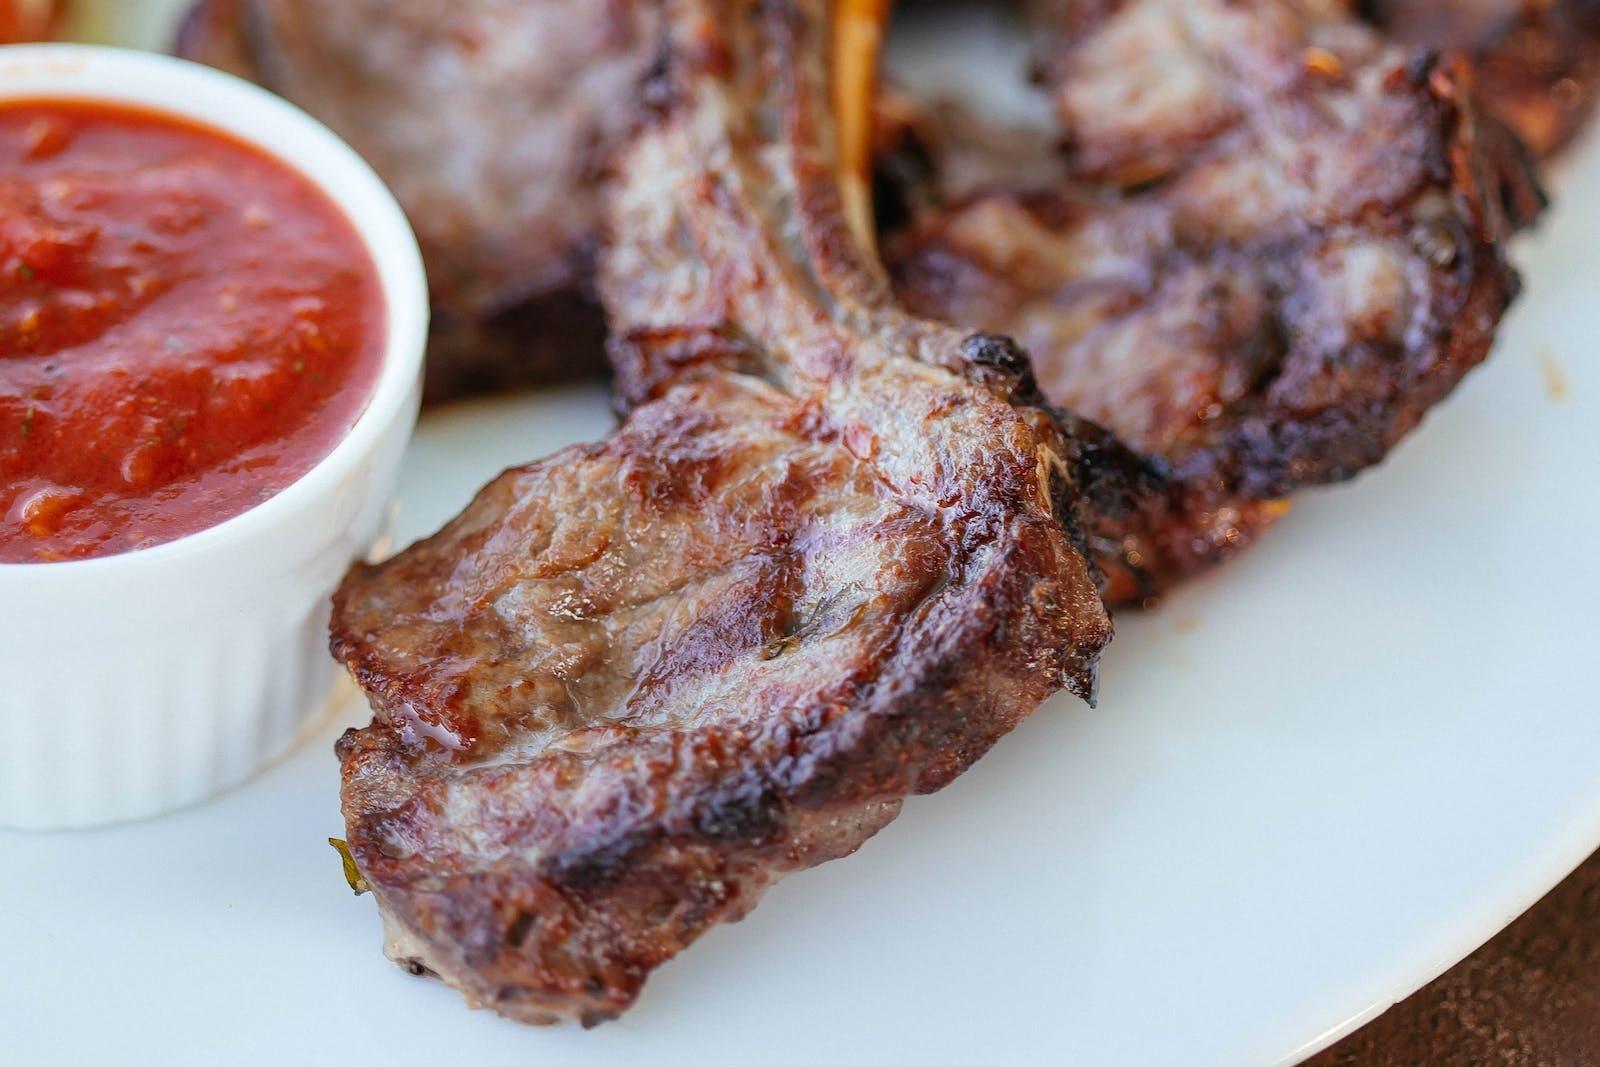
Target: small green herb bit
352	873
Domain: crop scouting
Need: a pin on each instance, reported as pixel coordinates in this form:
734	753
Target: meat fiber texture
828	559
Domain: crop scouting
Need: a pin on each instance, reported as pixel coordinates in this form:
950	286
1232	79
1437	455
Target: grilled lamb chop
493	121
1538	61
825	562
1276	242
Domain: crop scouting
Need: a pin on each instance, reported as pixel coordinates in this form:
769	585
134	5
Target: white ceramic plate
1316	780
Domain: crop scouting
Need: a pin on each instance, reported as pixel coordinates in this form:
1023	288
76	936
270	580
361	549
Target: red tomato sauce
187	325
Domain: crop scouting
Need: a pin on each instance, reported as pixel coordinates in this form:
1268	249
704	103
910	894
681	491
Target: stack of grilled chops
877	479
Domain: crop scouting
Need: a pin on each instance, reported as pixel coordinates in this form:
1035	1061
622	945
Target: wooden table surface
1529	998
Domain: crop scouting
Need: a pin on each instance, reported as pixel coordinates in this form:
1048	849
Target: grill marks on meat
494	122
1277	241
1537	61
825	562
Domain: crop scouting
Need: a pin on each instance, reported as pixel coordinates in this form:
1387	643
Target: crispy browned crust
826	561
1276	242
1538	61
494	122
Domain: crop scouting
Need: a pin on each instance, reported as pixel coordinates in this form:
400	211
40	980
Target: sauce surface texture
187	325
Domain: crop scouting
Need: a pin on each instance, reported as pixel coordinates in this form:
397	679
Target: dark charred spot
741	811
901	172
517	932
1000	364
1419	66
347	741
993	350
658	90
592	866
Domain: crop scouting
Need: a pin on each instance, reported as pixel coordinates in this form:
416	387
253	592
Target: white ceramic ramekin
134	684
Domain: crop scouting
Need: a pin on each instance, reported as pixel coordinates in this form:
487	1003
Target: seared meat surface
494	122
826	561
1275	242
1537	61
